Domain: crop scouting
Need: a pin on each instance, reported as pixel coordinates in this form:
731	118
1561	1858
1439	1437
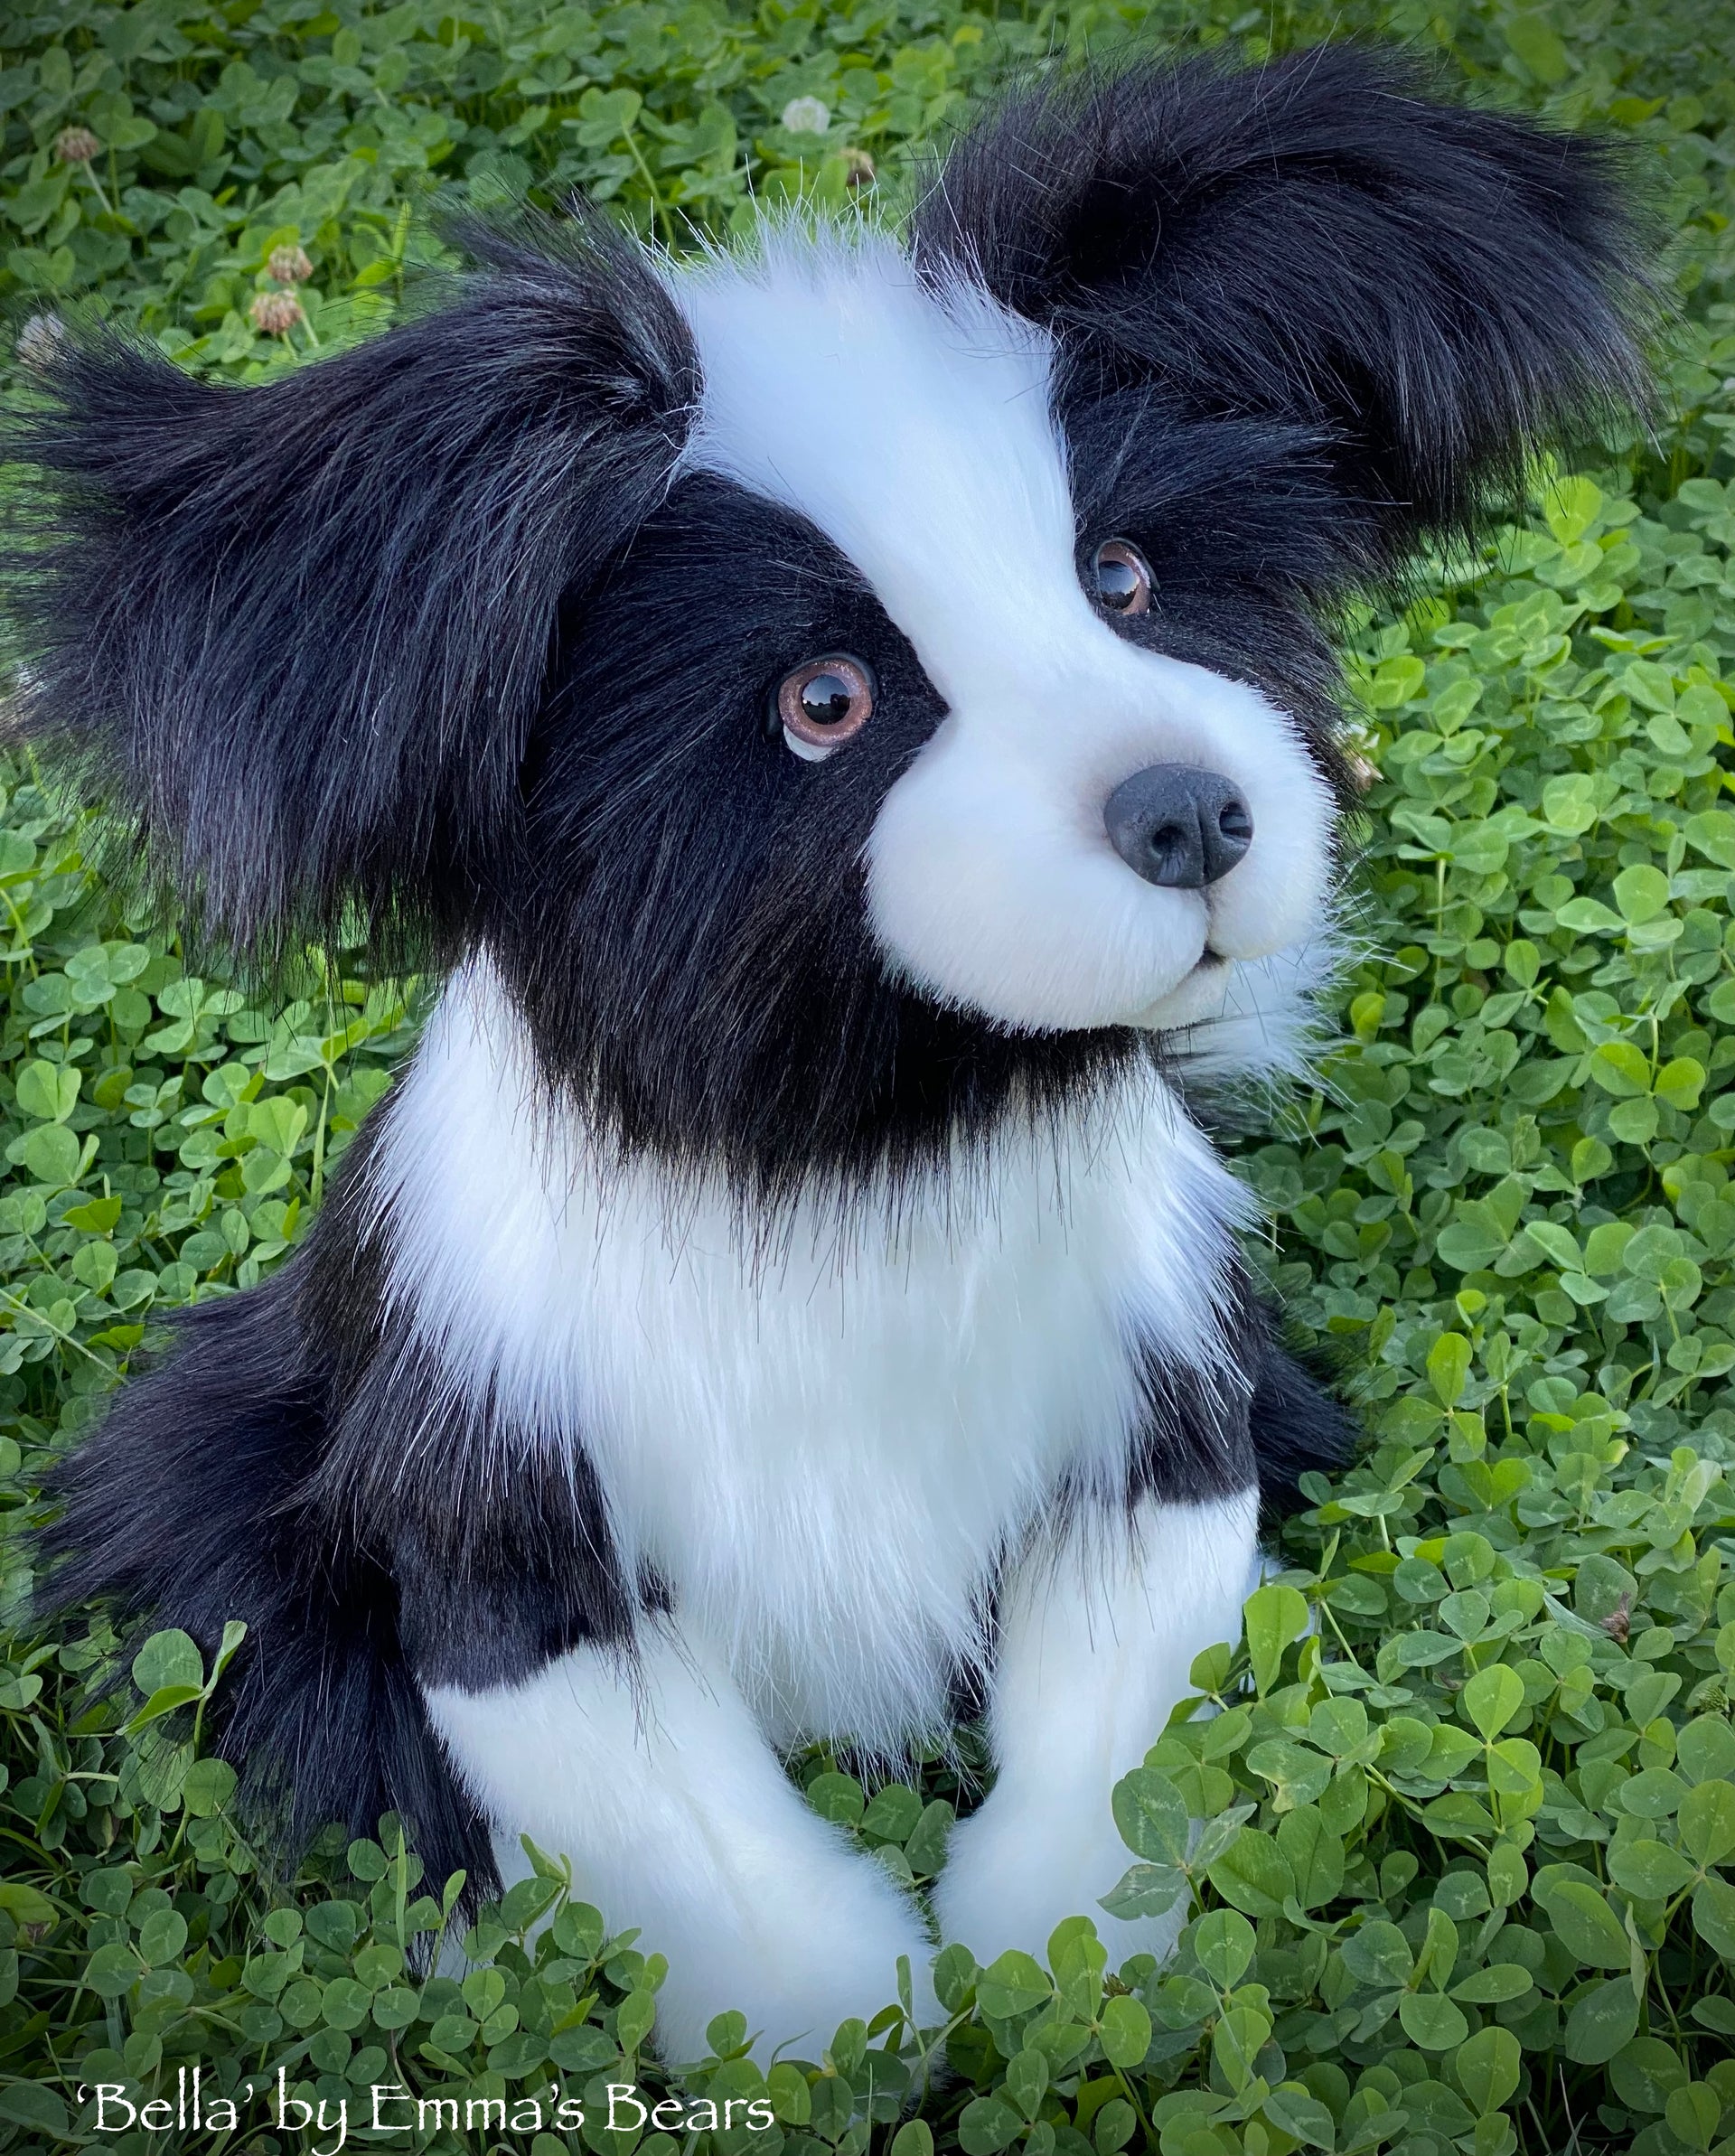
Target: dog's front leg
1096	1640
653	1778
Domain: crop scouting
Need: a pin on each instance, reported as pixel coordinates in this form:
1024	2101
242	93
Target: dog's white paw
814	1950
1017	1870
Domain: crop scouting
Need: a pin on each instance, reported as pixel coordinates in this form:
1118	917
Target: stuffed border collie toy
853	721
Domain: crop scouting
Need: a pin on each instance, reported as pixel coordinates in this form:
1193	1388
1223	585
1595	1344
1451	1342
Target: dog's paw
1017	1870
817	1947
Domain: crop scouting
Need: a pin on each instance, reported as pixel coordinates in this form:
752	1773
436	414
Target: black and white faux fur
786	1291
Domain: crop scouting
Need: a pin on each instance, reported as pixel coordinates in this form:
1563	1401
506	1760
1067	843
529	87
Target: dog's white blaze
825	1448
914	429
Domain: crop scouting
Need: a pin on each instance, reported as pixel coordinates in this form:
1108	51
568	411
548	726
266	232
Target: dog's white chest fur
823	1446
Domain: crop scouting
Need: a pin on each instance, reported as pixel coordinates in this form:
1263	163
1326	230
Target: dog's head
852	689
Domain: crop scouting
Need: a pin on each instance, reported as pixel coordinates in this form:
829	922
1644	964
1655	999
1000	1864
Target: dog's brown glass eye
1122	577
825	703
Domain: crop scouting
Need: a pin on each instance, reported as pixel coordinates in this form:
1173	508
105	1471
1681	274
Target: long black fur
191	1506
297	635
1319	242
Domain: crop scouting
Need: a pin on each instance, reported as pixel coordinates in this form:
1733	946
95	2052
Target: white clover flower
807	115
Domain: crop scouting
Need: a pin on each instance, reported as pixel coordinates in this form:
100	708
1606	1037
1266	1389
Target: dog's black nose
1178	827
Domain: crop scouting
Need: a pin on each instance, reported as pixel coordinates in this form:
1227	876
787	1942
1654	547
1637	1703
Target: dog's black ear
1430	290
296	633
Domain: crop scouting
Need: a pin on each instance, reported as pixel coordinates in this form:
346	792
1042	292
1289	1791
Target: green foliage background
1465	1877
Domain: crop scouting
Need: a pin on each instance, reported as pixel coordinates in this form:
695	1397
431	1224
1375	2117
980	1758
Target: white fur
825	1449
1264	1020
679	1819
915	431
1096	1645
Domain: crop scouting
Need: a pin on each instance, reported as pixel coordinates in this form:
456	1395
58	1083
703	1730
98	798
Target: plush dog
854	722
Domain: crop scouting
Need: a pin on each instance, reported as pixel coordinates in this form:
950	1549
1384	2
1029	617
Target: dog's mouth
1181	1005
